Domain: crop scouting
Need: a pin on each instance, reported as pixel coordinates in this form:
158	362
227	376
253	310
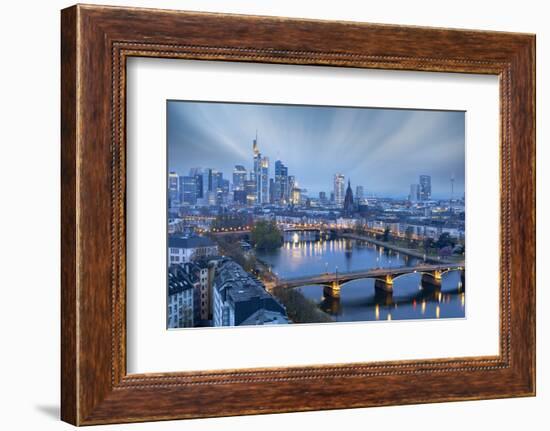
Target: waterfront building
425	187
347	223
339	184
180	311
240	299
323	197
182	249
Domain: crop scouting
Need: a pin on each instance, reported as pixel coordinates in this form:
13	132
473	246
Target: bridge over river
384	277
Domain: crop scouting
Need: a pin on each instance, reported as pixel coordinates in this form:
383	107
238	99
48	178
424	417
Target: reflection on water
359	300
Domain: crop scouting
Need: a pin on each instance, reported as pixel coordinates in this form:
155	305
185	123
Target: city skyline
215	135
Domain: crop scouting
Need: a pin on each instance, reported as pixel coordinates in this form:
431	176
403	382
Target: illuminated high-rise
339	189
263	195
282	191
239	177
260	173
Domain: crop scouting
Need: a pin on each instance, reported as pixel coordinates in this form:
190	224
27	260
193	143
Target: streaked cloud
384	150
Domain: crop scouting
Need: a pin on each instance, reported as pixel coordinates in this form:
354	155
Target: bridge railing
374	272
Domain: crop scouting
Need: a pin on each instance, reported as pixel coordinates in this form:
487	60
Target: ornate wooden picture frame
96	41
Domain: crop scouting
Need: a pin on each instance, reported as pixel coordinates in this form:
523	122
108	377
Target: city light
254	227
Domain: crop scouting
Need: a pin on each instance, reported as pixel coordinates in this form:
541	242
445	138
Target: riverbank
403	250
300	309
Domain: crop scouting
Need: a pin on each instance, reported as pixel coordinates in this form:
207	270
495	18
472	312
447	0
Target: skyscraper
425	187
296	196
414	194
359	193
291	186
271	191
260	173
217	180
239	177
339	184
250	189
173	188
197	174
263	196
206	182
281	183
188	189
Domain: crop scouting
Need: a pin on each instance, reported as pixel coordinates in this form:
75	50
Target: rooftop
178	280
246	295
265	317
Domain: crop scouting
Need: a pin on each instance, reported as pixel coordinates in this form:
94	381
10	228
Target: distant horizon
383	150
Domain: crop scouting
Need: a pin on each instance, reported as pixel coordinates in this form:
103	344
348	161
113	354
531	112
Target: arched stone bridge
384	277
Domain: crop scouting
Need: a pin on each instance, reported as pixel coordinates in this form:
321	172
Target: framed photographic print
329	214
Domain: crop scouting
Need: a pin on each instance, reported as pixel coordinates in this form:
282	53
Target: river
305	254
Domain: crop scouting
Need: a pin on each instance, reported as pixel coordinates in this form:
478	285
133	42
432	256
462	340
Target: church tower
349	207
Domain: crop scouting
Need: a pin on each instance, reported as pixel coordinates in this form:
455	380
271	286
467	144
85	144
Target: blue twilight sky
384	150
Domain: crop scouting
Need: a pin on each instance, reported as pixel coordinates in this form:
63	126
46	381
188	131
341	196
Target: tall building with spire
256	167
260	173
349	207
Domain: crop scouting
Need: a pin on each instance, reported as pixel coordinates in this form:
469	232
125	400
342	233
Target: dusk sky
384	150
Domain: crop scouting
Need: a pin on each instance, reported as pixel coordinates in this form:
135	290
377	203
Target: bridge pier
384	284
383	297
432	279
431	276
331	305
332	291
